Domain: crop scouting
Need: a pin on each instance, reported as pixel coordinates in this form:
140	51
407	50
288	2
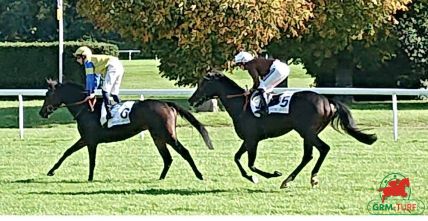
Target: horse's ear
51	84
213	74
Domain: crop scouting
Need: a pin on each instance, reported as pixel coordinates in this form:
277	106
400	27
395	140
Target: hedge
28	65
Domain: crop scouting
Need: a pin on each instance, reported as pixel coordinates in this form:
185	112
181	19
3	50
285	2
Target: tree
36	21
192	35
342	36
413	35
18	20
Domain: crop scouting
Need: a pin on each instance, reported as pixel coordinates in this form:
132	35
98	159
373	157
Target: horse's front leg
92	150
238	156
77	146
252	154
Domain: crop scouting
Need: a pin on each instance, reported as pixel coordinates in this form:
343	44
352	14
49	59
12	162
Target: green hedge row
28	65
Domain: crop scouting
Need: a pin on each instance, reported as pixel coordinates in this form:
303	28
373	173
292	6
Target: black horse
156	116
309	114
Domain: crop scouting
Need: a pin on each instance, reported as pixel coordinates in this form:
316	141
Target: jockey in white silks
266	74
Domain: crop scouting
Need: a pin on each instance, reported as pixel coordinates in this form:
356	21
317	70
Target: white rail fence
188	92
129	51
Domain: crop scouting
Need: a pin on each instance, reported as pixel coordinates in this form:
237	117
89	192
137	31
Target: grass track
126	173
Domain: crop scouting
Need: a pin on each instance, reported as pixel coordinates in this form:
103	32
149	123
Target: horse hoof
200	177
50	173
286	183
254	179
277	174
314	182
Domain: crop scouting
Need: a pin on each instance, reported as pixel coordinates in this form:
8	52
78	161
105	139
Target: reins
245	94
91	103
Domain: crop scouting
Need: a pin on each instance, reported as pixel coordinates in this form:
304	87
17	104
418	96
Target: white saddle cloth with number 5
120	113
277	103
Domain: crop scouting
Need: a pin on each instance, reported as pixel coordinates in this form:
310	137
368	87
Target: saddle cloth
120	113
277	103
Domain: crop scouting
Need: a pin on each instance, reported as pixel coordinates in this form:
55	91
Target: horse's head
53	99
208	88
59	94
405	182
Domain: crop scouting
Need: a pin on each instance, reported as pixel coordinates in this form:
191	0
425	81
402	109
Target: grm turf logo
395	197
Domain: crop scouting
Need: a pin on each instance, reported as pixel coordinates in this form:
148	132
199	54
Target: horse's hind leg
77	146
323	148
307	156
186	155
166	156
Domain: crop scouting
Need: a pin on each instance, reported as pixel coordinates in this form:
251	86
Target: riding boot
115	98
263	102
107	103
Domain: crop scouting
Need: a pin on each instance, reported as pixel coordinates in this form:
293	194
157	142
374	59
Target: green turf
126	173
145	74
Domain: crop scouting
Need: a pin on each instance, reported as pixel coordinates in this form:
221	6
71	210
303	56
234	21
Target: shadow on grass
183	192
35	181
152	191
47	181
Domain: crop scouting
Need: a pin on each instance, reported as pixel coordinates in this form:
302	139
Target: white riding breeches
113	77
278	72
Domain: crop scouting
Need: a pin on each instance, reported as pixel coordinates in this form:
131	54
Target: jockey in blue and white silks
101	66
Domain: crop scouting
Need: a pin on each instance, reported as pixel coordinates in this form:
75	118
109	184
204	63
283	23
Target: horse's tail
344	118
192	120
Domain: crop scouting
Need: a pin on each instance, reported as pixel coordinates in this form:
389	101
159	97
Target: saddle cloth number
284	101
119	112
278	103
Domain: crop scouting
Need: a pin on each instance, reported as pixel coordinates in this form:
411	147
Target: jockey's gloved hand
260	90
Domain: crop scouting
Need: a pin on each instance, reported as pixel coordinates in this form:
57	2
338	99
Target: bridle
91	105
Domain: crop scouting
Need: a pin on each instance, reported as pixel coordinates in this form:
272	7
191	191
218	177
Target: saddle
119	112
277	103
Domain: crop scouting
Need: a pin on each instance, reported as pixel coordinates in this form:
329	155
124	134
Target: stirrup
264	109
263	112
109	116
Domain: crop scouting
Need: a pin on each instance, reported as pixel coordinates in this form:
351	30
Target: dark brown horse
309	114
156	116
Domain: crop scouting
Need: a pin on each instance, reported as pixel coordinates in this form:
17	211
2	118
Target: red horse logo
395	187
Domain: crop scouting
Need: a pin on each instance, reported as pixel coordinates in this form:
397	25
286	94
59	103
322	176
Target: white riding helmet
243	57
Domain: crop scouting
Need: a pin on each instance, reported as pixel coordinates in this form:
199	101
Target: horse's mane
216	74
55	83
74	85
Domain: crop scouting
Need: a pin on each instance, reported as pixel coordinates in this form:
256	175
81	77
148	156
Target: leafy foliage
344	34
413	32
22	20
191	35
27	65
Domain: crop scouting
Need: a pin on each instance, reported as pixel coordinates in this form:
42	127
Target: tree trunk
344	73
